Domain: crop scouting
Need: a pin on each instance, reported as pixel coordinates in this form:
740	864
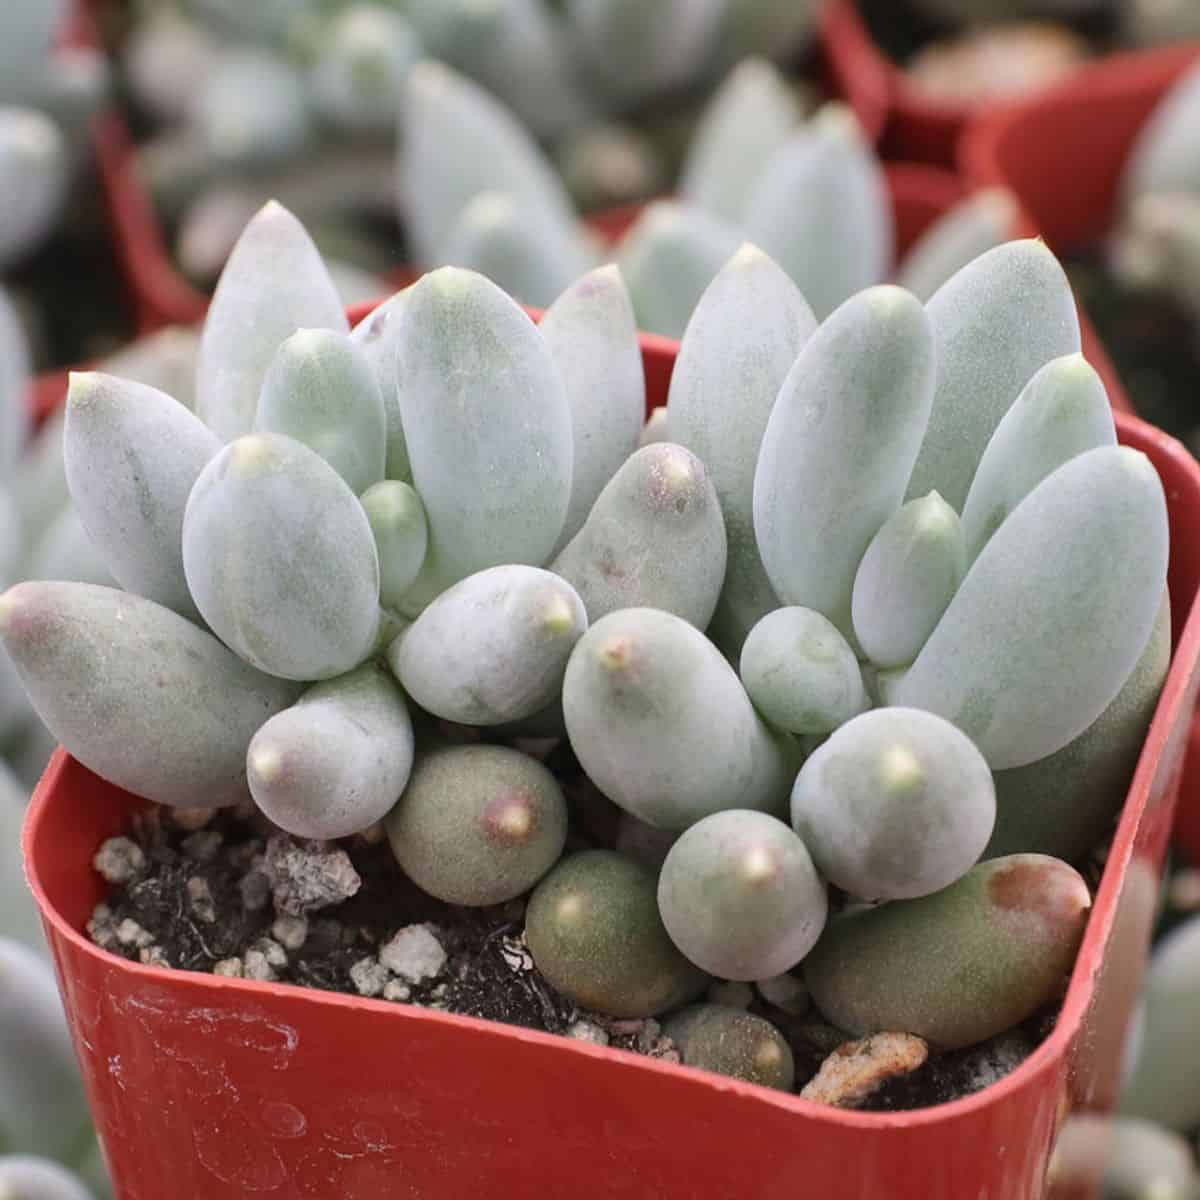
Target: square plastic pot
1062	154
917	126
220	1089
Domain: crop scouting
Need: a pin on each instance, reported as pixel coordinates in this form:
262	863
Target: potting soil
228	893
1153	341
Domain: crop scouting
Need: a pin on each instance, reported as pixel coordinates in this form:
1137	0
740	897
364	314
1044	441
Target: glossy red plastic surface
918	127
1062	154
220	1089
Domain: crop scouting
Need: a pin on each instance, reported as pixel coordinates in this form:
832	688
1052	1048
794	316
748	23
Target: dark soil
1152	340
901	30
232	893
72	287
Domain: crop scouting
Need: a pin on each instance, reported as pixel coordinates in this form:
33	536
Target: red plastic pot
1062	154
215	1089
919	127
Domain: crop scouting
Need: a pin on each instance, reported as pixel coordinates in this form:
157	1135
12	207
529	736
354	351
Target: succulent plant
1038	806
1063	682
654	538
24	1176
132	455
233	363
320	390
968	229
47	1113
397	519
33	180
1062	412
18	913
1155	243
478	824
310	613
906	580
896	804
493	648
749	118
1160	161
740	897
995	323
739	346
334	763
456	496
1129	1159
594	930
493	154
960	965
801	673
662	725
732	1042
1164	1085
356	81
840	446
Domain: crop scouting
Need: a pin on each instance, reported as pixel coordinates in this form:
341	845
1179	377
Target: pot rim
1118	78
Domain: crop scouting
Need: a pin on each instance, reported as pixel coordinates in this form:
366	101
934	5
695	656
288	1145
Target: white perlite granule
414	954
587	1031
119	860
369	976
130	933
290	932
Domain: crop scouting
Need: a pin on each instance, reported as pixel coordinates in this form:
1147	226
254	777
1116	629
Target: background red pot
918	126
1062	154
217	1089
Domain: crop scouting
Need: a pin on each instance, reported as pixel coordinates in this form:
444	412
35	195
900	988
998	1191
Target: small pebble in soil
192	819
395	990
256	965
231	968
587	1031
369	976
255	890
203	846
857	1069
102	927
290	932
200	900
415	954
308	876
130	933
119	860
